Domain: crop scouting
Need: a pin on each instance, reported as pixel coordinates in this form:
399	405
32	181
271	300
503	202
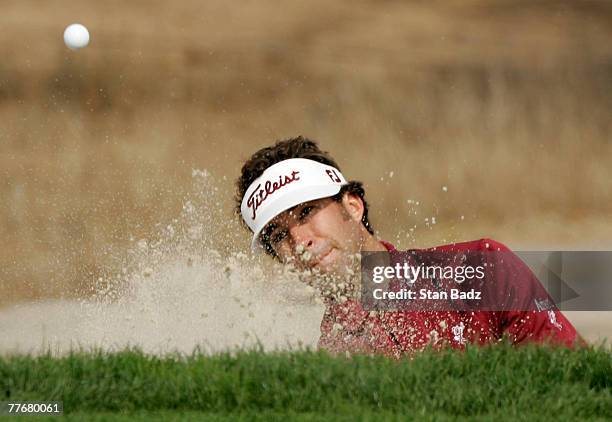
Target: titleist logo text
260	194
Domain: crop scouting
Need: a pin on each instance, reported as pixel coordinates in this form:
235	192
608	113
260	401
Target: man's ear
353	205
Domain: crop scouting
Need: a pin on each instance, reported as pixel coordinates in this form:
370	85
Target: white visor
283	186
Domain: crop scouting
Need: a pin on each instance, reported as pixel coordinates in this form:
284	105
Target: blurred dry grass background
507	104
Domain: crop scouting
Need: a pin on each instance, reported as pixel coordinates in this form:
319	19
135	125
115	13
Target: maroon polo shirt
347	327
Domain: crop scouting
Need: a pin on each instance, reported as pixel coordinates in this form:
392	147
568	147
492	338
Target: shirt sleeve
521	320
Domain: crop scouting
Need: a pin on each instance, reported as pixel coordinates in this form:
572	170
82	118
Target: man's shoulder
484	244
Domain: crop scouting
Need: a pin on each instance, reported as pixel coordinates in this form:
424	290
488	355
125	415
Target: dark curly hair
298	147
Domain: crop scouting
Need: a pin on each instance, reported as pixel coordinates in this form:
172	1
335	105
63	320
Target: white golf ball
76	36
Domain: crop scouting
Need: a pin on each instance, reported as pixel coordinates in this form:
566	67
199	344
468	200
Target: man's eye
305	211
278	236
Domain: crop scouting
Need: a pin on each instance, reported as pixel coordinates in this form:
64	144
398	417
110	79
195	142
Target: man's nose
301	235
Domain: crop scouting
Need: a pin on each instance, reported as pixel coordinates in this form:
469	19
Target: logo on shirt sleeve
552	316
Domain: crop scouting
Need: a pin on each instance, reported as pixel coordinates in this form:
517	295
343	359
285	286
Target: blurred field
501	383
505	103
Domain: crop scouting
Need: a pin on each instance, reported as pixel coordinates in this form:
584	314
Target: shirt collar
389	246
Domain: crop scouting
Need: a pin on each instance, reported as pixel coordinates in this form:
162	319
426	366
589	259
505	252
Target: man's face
322	235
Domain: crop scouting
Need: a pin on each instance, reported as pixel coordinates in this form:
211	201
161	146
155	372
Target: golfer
303	212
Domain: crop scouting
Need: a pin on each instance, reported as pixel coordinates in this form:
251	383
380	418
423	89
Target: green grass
495	382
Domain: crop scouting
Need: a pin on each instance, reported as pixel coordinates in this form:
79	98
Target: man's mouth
323	258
